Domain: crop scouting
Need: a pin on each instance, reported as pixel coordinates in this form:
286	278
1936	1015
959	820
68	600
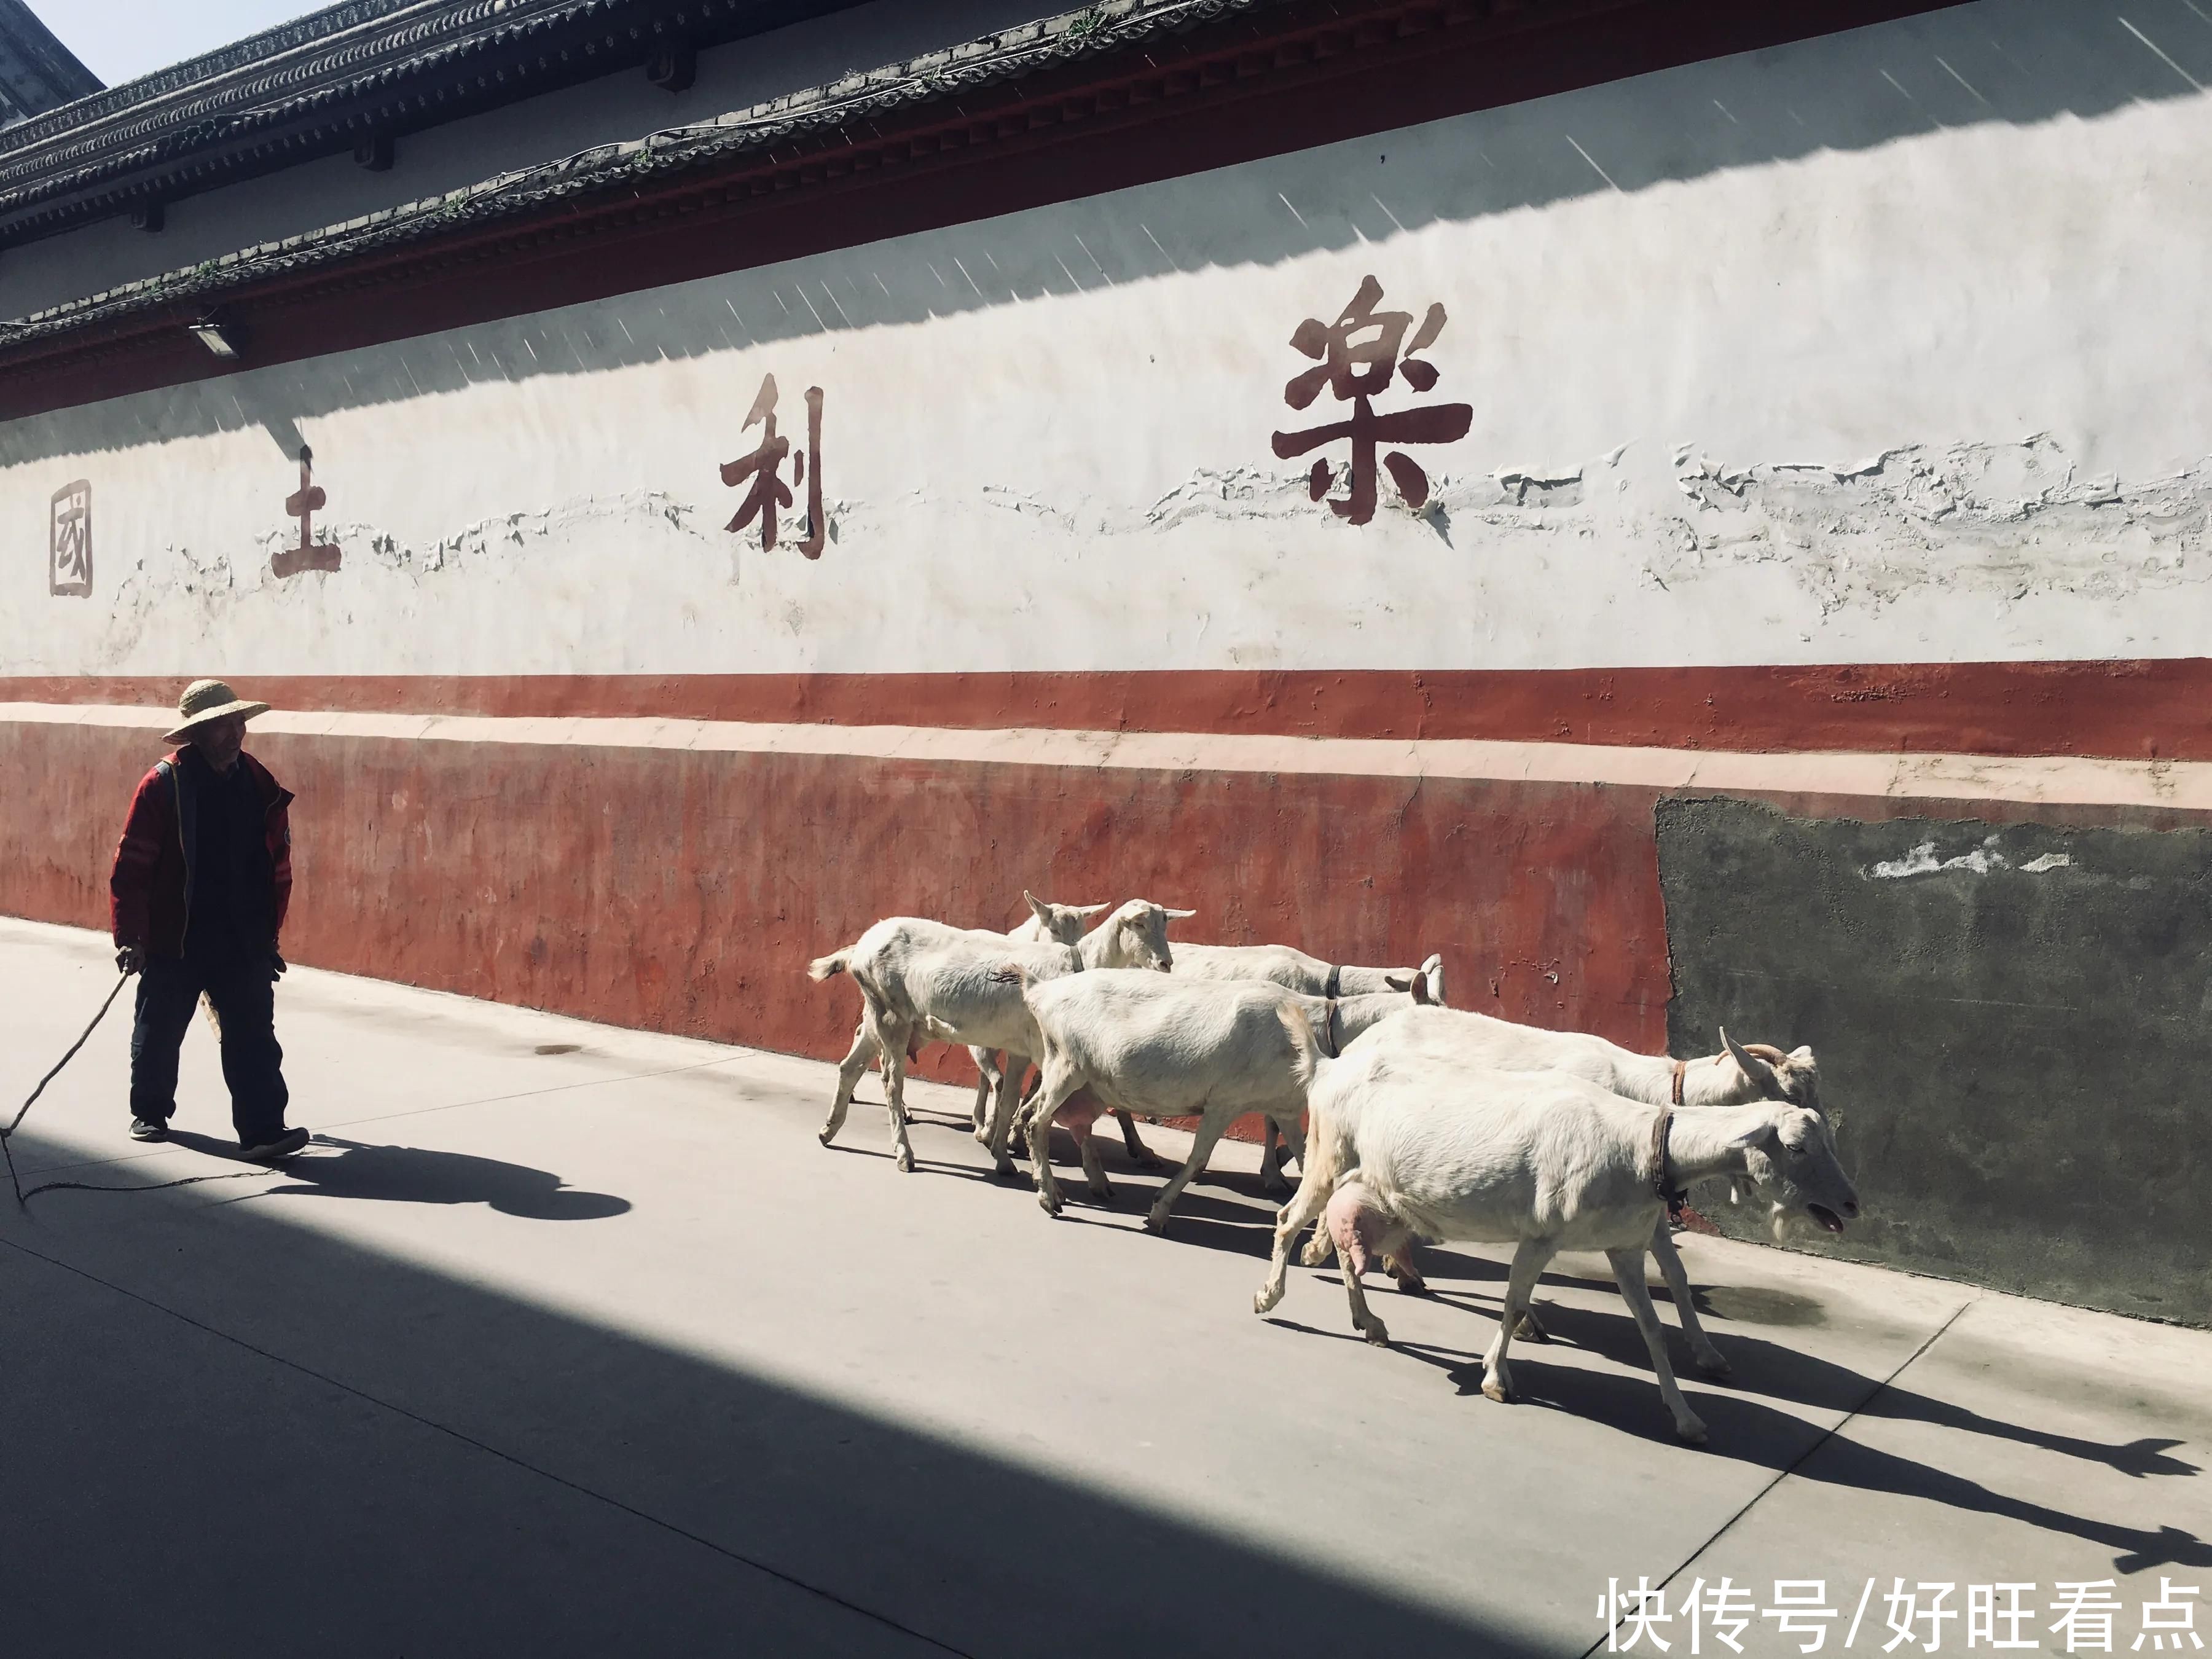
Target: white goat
922	980
1407	1142
1061	924
1292	969
1739	1074
1048	923
1171	1048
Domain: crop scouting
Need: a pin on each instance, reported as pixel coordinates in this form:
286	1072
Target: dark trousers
245	1005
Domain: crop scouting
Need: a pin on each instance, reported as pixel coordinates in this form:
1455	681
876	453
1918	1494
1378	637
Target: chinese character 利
1359	356
764	467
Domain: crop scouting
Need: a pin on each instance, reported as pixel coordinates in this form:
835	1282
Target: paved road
569	1340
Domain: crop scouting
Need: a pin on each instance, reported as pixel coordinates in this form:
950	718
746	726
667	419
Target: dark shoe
283	1145
149	1129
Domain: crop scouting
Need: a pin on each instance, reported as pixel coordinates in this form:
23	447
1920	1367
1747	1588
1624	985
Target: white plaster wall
1762	371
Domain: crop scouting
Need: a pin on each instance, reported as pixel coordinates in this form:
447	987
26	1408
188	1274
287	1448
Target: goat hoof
1493	1389
1692	1433
1413	1287
1156	1224
1103	1191
1713	1364
1317	1252
1152	1161
1263	1300
904	1163
1377	1332
1530	1331
827	1136
1048	1204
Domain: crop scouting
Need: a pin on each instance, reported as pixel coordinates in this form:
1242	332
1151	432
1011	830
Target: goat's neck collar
1332	1046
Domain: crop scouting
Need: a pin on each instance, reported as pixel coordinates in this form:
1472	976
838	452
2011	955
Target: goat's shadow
1746	1428
417	1174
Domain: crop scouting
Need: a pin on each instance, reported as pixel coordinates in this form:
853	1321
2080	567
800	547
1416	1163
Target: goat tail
829	967
1305	1048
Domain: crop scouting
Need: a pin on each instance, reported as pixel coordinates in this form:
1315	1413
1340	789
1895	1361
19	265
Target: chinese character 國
69	541
764	467
1359	355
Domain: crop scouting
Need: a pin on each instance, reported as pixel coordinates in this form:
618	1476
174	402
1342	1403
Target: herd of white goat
1411	1121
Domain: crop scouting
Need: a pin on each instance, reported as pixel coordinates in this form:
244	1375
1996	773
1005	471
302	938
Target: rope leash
7	1134
22	1198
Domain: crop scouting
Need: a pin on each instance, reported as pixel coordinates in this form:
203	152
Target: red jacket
152	881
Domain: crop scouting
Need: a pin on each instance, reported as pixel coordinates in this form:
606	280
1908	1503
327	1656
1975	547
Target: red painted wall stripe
2128	710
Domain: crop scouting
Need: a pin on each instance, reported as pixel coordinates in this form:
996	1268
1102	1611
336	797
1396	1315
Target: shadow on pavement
400	1461
1746	1430
414	1174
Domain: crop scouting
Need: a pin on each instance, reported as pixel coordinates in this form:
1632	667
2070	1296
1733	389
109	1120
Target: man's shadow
415	1175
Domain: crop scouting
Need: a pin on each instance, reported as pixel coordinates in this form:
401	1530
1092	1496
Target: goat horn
1754	1069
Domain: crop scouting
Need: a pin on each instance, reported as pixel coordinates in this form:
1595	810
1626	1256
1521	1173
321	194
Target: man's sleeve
280	870
130	883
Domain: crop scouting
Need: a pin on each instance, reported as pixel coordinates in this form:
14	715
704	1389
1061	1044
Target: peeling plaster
1921	860
2004	519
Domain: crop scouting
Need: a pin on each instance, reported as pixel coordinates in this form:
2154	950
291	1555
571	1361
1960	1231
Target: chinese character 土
69	541
310	554
763	466
2173	1618
1358	358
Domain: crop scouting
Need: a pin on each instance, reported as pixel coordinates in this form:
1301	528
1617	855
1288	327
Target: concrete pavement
566	1339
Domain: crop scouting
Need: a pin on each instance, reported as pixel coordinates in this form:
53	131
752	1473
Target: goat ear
1177	915
1754	1069
1043	910
1801	1056
1086	909
1420	989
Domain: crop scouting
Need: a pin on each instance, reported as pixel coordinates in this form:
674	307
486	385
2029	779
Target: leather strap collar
1681	1066
1336	986
1329	1045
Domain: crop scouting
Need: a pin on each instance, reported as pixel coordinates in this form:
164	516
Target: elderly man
201	880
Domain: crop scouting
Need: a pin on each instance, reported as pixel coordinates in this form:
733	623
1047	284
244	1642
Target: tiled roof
329	80
853	101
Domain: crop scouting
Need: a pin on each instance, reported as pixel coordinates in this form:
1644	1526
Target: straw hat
209	700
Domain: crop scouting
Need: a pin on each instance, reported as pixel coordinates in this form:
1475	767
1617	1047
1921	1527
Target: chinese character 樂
1359	356
764	467
69	570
